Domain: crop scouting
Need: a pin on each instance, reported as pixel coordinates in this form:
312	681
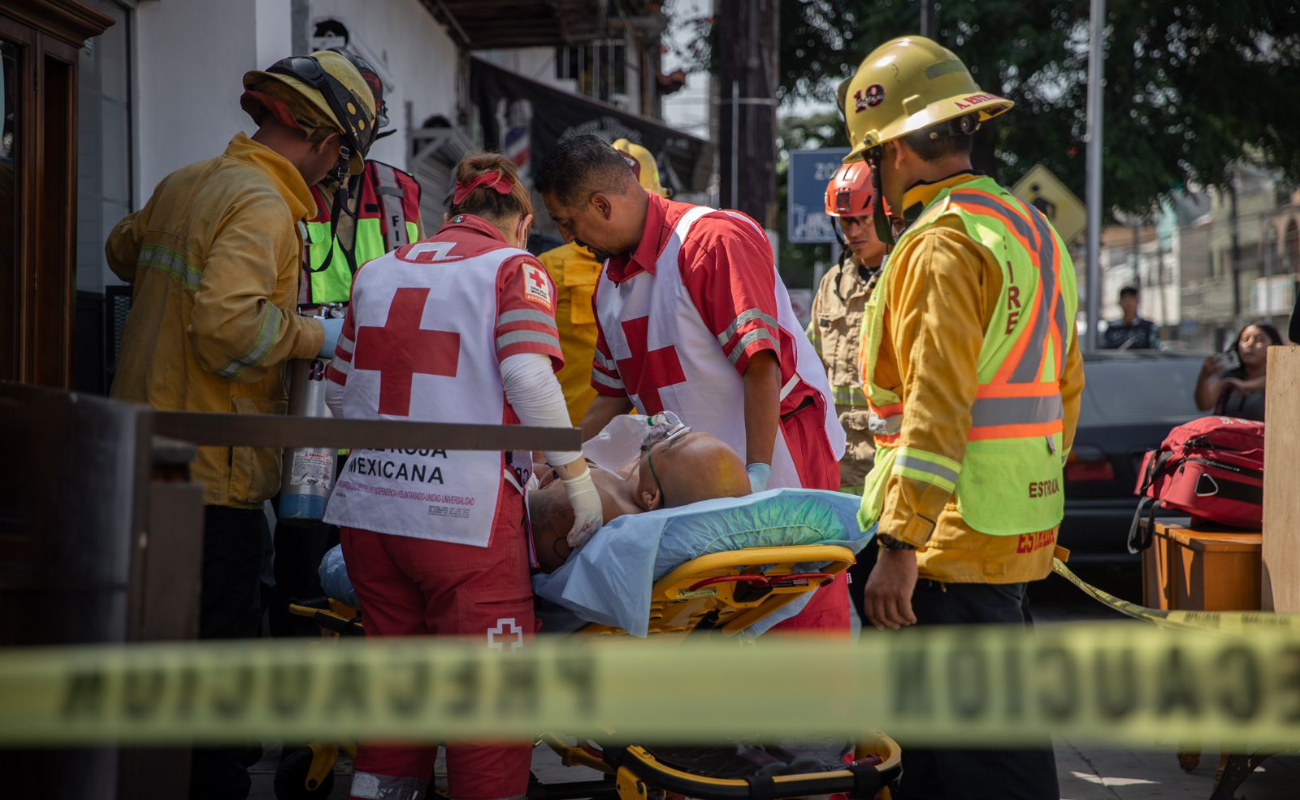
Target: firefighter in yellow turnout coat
970	361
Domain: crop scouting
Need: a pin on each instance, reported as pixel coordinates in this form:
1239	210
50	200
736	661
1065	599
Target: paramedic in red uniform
458	328
693	318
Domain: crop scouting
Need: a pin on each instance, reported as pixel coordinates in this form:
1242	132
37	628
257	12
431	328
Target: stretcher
721	593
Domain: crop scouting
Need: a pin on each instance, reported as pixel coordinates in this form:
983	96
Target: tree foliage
1191	85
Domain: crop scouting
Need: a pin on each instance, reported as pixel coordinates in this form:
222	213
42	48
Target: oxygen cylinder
307	473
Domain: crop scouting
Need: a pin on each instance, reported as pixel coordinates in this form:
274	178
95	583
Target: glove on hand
588	513
333	327
759	474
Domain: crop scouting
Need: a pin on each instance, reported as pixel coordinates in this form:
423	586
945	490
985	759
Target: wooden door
39	41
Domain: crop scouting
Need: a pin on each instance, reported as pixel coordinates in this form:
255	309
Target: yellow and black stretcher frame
719	594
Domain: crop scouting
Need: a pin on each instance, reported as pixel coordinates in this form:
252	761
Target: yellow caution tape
1232	622
1118	683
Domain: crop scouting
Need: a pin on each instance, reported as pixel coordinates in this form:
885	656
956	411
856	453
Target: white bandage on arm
535	395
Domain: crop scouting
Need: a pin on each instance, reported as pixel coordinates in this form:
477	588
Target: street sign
810	171
1043	190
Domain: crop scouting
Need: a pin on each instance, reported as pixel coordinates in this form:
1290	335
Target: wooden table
1202	569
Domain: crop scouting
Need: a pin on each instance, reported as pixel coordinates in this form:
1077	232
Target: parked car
1131	400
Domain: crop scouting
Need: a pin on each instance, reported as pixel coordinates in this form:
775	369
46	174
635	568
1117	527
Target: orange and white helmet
849	193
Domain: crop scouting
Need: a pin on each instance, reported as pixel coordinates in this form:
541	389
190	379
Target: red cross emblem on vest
401	349
536	287
647	371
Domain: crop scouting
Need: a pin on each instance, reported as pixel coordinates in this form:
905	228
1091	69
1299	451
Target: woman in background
1238	391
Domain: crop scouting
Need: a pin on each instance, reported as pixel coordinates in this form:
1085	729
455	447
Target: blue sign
810	171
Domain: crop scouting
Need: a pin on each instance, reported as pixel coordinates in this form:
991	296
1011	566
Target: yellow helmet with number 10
908	84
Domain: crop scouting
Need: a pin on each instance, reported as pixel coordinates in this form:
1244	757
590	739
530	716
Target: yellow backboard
1043	190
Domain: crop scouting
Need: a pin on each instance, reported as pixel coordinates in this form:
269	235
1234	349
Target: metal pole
1137	255
1236	251
1160	278
1095	57
734	200
929	20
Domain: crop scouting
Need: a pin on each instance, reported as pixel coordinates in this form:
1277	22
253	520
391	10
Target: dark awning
492	24
523	119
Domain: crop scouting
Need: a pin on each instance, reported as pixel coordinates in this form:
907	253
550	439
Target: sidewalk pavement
1122	774
1084	773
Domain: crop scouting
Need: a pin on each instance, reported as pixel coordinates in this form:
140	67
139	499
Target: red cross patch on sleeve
537	287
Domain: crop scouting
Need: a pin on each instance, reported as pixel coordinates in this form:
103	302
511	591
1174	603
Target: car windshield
1120	389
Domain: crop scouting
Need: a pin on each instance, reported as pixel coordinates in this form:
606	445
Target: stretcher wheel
291	778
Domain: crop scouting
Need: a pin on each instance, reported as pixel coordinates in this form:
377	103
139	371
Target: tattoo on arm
552	519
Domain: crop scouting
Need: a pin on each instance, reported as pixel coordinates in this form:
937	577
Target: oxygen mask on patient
617	447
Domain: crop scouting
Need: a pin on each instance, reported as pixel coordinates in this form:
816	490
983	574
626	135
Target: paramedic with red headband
458	328
692	318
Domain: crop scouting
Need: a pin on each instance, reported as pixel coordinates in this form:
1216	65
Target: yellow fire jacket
940	303
214	258
575	272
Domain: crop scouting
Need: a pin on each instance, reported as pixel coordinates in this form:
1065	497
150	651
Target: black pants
230	607
299	549
975	774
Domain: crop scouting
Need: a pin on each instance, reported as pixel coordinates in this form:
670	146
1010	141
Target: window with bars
599	68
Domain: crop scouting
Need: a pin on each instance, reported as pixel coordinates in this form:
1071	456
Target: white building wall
415	50
189	58
537	63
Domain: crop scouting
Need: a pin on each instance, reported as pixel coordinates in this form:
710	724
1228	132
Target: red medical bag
1211	468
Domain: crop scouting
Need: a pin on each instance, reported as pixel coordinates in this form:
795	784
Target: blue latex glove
759	474
333	327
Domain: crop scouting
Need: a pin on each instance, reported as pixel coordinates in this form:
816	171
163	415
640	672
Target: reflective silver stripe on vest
789	385
750	338
525	315
389	191
1042	248
884	426
929	468
606	380
607	363
742	318
530	337
988	411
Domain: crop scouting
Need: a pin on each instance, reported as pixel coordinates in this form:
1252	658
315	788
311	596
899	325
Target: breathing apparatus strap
337	208
356	131
884	230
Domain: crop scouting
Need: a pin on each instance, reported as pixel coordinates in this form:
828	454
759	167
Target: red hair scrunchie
495	179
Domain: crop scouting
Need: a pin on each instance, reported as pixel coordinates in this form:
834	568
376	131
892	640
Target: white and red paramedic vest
439	312
710	394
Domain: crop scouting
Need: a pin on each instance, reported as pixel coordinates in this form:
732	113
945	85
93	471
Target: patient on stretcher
675	467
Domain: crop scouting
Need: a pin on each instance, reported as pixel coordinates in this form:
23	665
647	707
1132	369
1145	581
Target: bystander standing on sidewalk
1131	332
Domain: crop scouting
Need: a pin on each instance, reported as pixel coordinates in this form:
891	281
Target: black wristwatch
890	543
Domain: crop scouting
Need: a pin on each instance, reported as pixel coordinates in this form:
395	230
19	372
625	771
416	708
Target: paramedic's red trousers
805	434
418	587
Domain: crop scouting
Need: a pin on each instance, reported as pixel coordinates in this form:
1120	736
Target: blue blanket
609	580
